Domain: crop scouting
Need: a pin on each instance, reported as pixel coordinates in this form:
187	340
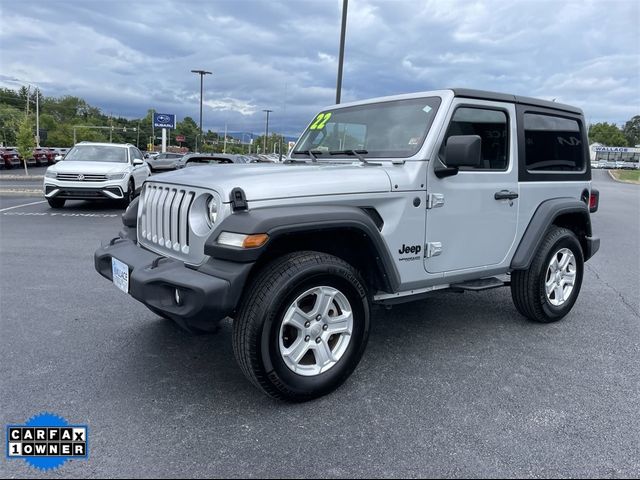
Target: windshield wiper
356	153
311	153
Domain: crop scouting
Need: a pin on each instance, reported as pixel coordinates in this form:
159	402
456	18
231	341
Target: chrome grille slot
81	177
163	221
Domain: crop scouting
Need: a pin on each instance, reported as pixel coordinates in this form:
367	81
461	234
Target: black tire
261	313
528	286
129	195
56	202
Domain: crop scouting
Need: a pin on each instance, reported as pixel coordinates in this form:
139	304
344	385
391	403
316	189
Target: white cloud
233	104
128	57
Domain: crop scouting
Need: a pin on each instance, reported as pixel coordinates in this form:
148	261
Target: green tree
189	128
11	98
61	136
607	134
9	119
272	142
25	140
632	131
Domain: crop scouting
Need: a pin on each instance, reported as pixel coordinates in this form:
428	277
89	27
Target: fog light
178	297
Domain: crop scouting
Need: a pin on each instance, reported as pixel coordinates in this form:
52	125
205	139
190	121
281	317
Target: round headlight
212	206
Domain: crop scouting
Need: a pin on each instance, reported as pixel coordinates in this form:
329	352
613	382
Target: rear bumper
207	294
592	246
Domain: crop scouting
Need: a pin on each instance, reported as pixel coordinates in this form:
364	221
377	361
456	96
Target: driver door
474	228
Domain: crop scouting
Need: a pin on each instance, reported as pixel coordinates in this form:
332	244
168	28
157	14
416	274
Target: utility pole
110	128
224	147
37	117
138	137
341	56
28	99
153	132
266	130
202	73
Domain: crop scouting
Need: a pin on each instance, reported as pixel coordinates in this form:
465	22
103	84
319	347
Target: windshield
97	153
389	129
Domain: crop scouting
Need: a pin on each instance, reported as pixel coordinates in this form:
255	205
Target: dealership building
600	153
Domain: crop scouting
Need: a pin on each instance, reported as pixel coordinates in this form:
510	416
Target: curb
21	193
621	181
26	178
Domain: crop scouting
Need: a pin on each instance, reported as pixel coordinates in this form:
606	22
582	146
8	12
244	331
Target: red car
44	156
9	157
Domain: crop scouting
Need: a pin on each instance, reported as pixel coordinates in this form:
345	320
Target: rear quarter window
553	144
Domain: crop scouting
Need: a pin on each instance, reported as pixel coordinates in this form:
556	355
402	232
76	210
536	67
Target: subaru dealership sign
164	120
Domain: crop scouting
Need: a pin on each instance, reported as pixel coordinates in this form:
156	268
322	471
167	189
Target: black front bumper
207	293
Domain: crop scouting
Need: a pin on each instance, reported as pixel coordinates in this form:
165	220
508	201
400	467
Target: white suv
96	171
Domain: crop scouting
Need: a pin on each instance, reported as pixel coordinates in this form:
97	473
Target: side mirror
57	158
460	151
137	161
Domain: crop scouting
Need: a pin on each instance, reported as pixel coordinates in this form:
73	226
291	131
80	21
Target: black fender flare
544	216
279	221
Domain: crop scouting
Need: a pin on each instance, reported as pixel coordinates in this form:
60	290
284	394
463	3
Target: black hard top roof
504	97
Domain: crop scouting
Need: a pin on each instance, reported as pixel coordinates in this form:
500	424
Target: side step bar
480	284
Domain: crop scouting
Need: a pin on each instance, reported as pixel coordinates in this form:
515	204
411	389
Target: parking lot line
20	206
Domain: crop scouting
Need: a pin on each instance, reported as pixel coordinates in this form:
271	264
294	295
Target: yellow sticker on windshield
320	121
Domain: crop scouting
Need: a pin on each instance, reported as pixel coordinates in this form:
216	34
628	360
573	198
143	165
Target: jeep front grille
163	222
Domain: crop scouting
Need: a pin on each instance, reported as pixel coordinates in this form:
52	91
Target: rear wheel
303	326
547	291
56	202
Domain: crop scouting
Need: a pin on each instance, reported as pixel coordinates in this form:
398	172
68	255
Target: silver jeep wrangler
381	201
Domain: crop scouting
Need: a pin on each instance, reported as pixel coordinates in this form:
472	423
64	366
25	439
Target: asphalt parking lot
455	385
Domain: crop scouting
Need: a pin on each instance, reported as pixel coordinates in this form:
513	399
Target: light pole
266	130
341	56
202	73
37	117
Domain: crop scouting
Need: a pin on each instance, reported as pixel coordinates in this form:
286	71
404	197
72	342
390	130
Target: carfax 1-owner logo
47	441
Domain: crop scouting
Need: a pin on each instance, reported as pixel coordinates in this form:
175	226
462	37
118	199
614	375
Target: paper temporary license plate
120	274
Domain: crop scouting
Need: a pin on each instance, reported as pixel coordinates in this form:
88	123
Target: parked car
44	156
164	161
459	190
9	157
195	159
94	171
59	153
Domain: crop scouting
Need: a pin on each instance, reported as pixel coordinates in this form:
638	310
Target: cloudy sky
128	56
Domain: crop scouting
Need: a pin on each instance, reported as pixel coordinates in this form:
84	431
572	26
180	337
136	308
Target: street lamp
202	73
266	130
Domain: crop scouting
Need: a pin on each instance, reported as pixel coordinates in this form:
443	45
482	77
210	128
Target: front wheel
547	291
129	195
303	327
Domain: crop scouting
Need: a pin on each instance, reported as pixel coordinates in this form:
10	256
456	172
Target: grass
630	176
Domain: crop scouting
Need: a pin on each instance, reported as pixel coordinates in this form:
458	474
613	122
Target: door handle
505	195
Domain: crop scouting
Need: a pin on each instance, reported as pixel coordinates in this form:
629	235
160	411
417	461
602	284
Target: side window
132	154
552	143
491	126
